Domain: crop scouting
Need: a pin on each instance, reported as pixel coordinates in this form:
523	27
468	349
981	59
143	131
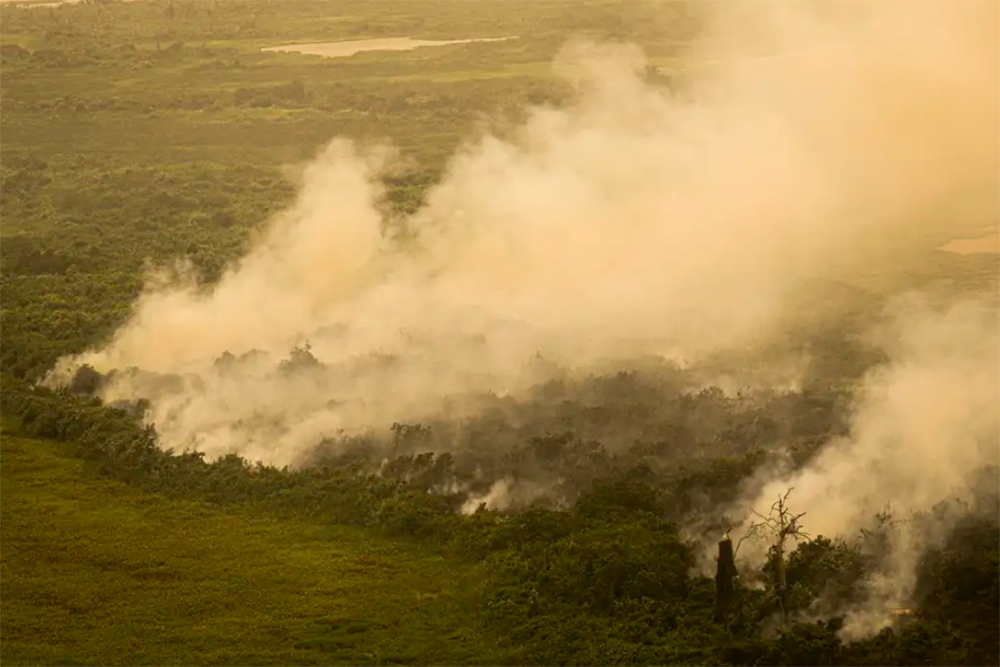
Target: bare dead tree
781	525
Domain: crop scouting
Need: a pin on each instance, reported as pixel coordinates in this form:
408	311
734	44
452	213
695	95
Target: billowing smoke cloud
814	139
924	424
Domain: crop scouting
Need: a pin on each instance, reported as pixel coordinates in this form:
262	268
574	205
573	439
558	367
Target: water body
38	5
350	47
32	4
988	244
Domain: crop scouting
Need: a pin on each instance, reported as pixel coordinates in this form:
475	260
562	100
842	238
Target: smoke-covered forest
636	333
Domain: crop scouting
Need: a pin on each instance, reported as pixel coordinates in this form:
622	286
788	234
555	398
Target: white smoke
820	138
628	222
924	424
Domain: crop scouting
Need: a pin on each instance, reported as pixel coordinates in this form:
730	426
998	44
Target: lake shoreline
348	48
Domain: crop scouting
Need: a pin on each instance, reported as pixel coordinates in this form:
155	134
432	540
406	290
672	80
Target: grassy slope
94	572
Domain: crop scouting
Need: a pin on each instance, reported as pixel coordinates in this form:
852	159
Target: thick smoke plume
811	140
630	222
923	425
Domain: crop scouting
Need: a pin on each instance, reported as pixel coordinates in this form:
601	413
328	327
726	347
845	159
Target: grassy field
94	572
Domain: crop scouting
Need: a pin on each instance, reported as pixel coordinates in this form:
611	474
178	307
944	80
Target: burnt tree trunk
724	575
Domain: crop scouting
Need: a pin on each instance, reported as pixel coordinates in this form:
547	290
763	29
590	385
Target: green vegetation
606	582
136	133
95	572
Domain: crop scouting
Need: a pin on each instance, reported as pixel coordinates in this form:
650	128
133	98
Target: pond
350	47
990	243
22	4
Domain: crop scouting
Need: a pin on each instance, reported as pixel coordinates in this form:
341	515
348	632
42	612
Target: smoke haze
815	139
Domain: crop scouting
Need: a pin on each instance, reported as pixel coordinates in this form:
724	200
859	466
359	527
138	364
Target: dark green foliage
599	566
85	381
292	94
802	644
960	584
607	581
824	569
301	358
